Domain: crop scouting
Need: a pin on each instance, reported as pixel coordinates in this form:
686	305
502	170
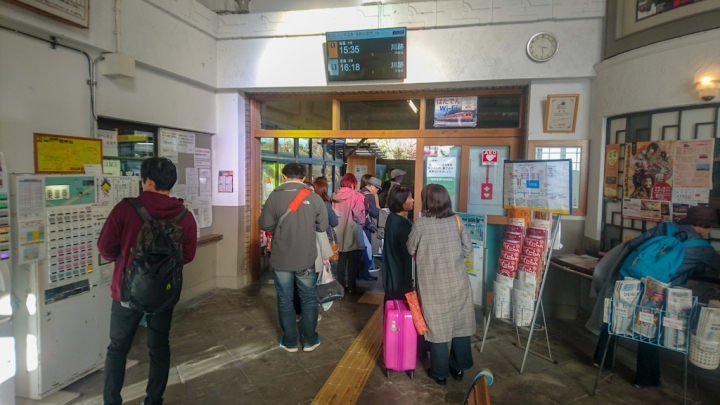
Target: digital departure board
367	55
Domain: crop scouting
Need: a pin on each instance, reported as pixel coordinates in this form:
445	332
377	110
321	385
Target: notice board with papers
538	185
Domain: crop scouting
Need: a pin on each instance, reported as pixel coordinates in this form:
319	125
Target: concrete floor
225	351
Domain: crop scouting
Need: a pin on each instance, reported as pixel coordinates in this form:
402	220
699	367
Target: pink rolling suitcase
400	338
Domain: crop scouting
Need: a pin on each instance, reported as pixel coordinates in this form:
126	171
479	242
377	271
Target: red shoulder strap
295	204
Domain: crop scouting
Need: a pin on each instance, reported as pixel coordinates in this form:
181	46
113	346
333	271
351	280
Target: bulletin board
191	152
65	154
538	185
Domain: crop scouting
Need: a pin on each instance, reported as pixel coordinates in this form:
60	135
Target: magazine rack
671	332
537	307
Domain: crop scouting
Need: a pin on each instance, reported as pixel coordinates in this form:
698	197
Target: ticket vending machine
63	286
7	340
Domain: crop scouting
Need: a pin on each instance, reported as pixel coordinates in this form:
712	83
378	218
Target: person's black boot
456	374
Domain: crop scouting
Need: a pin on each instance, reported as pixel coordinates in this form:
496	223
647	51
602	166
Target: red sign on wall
489	157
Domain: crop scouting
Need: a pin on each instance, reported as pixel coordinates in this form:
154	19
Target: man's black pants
123	324
648	359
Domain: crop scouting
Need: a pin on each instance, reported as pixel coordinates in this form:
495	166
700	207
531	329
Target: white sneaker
313	347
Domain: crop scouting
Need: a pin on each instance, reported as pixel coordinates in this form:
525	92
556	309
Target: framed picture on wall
75	12
561	112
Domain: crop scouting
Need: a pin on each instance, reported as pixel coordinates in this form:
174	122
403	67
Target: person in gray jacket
293	255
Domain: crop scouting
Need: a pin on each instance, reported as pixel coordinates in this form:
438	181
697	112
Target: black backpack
153	281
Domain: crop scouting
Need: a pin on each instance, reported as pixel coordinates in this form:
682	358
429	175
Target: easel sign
538	185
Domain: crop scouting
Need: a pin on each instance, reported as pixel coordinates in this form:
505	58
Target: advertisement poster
443	171
684	198
225	181
693	163
646	210
649	170
612	162
649	8
456	112
540	185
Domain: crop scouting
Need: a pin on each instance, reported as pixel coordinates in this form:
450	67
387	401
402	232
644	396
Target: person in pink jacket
350	207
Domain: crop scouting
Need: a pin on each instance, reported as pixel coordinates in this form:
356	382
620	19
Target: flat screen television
379	54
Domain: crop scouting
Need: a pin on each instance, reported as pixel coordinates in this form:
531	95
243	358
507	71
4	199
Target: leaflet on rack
625	298
648	313
678	305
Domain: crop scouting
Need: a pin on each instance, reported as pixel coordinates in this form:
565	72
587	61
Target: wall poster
612	162
648	182
442	170
693	163
456	112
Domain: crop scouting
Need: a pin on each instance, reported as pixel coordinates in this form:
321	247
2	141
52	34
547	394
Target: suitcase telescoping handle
414	283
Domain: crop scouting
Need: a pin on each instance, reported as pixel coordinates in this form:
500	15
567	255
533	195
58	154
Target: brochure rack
671	332
538	307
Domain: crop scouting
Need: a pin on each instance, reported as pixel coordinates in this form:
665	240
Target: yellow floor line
347	381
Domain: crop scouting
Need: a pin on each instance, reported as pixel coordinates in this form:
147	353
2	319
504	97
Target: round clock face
542	46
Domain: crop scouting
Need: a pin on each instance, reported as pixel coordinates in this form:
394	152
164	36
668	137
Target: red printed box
537	231
535	242
529	261
509	255
528	268
511	246
515	237
507	267
532	251
515	229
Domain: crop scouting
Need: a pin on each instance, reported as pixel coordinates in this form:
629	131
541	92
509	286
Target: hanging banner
456	112
612	166
694	163
648	182
539	185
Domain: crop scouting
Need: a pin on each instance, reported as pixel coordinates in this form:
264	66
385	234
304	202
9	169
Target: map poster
456	112
649	170
612	163
65	154
539	185
694	163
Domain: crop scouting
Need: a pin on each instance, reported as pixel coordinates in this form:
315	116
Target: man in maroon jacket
117	237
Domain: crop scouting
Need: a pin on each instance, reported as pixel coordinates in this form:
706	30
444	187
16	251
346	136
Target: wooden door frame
511	137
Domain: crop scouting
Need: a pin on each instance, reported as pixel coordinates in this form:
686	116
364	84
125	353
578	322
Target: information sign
367	55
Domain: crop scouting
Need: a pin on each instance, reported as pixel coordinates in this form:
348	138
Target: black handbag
328	288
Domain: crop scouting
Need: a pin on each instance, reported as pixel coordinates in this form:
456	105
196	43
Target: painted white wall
41	90
649	78
228	146
45	90
477	54
539	90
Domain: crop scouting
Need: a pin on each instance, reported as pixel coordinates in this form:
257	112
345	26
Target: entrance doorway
320	131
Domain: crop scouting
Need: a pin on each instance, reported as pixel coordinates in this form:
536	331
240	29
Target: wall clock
542	47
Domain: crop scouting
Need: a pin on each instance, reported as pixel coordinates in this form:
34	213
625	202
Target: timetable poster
648	182
540	185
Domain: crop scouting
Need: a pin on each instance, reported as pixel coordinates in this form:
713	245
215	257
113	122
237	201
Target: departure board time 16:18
367	55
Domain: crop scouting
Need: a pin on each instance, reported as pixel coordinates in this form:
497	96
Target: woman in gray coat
440	243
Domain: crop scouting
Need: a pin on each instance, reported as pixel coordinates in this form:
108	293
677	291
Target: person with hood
697	225
369	187
350	207
117	238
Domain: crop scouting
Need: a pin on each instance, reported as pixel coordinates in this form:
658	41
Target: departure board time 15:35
367	55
